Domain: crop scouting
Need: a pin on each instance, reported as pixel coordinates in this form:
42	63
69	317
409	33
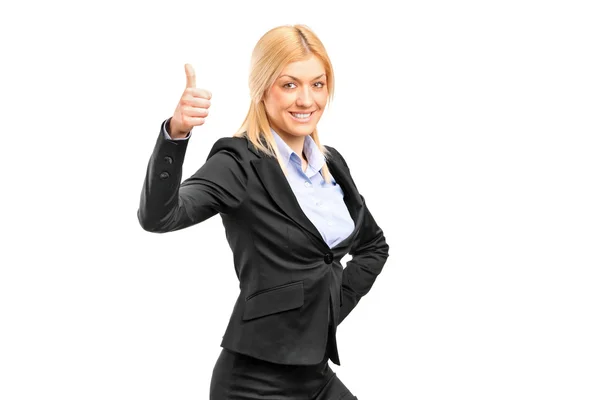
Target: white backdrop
471	128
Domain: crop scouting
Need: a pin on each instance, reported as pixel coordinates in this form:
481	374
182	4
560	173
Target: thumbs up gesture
192	108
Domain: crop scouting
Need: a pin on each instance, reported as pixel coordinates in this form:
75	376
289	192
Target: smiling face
296	101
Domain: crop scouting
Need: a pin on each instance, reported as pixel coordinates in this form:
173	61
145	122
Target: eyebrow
296	79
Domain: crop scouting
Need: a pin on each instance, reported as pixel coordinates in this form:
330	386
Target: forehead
306	69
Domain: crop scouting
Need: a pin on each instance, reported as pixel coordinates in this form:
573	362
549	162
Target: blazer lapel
276	184
351	195
343	178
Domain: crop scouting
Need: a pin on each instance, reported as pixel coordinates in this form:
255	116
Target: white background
470	127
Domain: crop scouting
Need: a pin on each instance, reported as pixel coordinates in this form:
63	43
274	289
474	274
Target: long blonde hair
274	50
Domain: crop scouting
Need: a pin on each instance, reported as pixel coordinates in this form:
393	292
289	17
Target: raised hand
192	108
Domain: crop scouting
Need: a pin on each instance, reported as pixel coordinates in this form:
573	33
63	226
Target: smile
301	117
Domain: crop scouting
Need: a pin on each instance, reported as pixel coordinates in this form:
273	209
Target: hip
240	376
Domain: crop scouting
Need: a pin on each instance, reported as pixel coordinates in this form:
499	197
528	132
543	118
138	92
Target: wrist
174	132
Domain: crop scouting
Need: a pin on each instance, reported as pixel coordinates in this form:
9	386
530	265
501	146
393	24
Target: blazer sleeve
369	253
219	186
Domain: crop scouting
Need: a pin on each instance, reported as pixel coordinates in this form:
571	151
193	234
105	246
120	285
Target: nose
304	97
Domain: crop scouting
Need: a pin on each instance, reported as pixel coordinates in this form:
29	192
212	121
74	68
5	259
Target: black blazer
288	274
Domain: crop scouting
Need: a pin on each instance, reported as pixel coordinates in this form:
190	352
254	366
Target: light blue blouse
323	203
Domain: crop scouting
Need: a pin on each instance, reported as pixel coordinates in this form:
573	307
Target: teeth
301	115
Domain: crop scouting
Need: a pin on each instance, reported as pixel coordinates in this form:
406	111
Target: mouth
302	117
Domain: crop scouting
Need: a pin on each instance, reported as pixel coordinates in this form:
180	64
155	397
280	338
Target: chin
305	131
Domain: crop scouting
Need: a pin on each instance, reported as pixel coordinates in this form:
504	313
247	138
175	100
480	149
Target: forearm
160	209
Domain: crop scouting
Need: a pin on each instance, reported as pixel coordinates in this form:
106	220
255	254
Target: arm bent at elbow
219	186
369	255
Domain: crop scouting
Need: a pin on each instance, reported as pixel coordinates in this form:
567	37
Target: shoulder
332	152
235	146
335	155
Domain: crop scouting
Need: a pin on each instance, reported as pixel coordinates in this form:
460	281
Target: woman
291	211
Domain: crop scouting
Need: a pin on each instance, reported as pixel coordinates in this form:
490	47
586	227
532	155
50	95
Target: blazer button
164	175
328	258
168	160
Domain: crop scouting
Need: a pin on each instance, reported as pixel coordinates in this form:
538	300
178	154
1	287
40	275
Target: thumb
190	76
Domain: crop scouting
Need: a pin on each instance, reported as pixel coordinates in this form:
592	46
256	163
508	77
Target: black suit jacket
288	275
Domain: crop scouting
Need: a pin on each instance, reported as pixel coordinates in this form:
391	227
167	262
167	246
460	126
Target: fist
192	108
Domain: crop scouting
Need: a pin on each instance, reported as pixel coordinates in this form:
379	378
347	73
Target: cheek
321	99
279	100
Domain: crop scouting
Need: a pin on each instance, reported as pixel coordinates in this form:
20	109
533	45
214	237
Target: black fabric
287	273
241	377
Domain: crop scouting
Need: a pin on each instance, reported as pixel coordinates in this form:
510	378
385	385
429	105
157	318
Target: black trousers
240	377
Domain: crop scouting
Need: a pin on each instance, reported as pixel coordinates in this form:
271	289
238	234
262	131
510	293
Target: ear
261	102
267	92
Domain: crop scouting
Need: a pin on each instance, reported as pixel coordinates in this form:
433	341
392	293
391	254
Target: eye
286	86
320	84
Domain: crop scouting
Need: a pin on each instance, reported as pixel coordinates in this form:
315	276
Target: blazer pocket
273	300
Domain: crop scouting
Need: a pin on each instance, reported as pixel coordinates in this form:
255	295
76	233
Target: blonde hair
274	50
